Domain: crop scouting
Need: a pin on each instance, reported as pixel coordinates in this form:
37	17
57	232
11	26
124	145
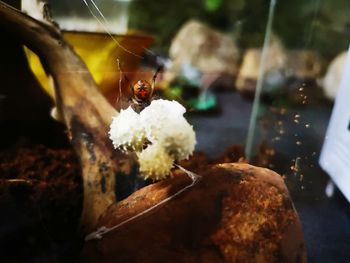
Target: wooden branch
85	111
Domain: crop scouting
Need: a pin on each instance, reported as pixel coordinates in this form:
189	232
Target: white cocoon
163	125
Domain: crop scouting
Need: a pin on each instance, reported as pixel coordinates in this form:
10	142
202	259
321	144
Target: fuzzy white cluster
155	162
163	126
126	132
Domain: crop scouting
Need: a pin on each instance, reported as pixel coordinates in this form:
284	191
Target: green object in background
173	93
202	102
212	5
176	91
205	101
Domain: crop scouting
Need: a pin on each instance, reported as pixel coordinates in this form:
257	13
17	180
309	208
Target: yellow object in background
100	53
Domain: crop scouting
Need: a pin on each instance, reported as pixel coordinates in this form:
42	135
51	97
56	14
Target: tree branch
85	111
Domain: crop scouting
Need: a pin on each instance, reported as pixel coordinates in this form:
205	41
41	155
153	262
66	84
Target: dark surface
326	221
41	201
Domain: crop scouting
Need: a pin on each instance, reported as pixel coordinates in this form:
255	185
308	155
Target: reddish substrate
40	202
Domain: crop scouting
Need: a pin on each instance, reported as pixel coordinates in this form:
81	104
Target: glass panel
300	81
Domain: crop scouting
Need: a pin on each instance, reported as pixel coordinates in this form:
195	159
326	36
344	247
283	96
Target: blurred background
258	78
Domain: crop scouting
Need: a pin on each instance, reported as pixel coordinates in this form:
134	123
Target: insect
142	91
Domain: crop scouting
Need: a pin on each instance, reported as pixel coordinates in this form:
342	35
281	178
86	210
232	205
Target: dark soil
40	201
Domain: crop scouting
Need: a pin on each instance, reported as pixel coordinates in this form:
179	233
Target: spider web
195	178
100	232
102	20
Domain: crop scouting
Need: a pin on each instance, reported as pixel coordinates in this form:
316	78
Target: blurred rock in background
209	50
275	66
331	80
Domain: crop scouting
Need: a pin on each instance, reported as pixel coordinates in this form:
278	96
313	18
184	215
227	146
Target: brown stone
275	65
214	53
236	213
207	49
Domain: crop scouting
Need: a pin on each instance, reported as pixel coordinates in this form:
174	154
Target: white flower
155	162
126	131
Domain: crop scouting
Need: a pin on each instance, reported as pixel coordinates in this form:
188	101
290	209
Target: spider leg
159	69
124	76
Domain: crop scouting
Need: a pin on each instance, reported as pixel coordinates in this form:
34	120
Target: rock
284	69
303	71
274	68
210	51
331	81
304	64
236	213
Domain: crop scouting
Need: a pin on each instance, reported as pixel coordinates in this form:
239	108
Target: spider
142	90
